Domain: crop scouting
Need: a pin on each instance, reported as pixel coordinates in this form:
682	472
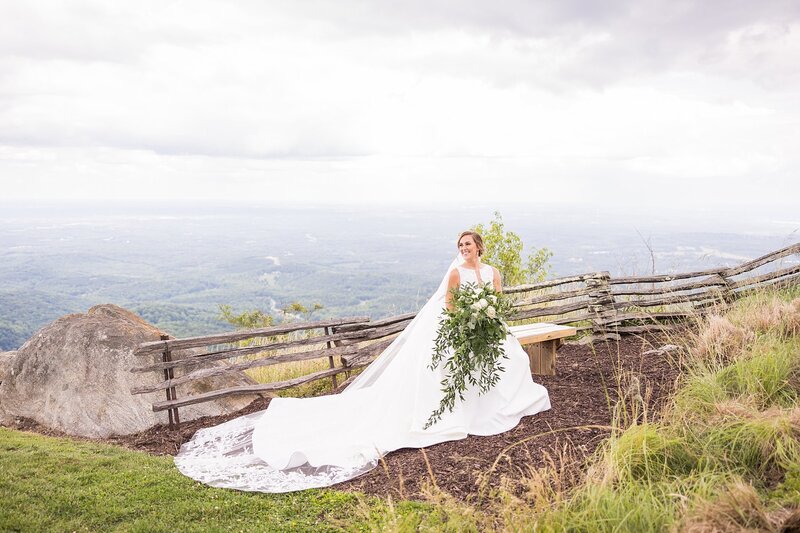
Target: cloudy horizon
643	103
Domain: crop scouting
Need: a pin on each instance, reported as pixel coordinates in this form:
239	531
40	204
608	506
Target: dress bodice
468	275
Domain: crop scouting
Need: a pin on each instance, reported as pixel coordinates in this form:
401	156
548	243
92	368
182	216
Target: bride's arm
498	283
452	283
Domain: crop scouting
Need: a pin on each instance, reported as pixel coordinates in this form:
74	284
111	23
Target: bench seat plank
531	333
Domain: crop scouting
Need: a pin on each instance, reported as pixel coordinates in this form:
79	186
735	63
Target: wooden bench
540	341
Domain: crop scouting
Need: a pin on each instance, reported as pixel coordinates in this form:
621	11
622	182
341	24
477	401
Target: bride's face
467	248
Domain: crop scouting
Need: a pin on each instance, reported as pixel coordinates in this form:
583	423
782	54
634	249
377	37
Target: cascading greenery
469	341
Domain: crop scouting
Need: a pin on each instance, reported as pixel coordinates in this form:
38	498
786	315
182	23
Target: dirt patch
583	396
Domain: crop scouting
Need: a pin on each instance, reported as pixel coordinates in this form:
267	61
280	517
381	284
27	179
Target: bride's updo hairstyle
475	237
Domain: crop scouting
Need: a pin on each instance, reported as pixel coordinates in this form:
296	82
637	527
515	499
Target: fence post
728	296
169	373
601	305
334	382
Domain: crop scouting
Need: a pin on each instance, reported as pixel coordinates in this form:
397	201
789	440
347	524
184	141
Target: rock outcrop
6	359
74	375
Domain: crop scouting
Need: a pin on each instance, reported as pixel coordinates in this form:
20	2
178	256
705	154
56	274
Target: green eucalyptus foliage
469	341
504	251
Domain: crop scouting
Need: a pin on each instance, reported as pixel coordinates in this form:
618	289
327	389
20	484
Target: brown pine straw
485	481
430	470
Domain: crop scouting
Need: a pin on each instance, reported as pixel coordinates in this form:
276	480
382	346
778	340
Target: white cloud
344	101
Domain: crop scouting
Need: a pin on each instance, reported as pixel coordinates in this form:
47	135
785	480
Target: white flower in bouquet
491	312
483	303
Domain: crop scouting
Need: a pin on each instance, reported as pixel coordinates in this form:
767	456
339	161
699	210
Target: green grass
52	484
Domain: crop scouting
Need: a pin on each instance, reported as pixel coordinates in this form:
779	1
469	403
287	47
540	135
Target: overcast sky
643	101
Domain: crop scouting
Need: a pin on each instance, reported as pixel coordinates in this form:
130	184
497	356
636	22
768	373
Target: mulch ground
590	381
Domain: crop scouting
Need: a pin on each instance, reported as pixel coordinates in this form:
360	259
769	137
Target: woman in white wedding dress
301	443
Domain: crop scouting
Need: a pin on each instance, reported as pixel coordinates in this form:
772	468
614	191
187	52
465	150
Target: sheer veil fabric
301	443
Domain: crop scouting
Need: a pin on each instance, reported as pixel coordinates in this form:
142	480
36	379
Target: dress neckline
479	272
483	266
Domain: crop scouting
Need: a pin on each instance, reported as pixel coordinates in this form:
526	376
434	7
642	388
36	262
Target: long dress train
300	443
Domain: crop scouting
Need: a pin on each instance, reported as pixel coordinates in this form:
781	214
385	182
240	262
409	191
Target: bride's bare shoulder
454	276
497	277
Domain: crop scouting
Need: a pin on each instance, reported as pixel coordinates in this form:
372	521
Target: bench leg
542	356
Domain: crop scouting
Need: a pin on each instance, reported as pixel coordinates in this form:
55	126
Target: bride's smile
468	249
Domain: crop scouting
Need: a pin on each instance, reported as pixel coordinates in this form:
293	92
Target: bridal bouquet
469	341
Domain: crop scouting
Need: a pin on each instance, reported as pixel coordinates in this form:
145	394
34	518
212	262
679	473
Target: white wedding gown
301	443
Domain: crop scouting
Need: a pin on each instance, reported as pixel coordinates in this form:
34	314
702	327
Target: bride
301	443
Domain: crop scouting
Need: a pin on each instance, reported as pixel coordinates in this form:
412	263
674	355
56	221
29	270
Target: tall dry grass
289	370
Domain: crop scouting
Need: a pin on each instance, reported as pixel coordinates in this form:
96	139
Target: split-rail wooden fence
594	303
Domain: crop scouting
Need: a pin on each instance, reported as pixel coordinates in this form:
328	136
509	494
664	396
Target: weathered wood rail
610	306
594	302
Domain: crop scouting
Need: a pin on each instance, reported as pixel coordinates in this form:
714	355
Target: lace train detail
222	456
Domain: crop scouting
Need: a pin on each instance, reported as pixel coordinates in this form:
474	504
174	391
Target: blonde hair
475	237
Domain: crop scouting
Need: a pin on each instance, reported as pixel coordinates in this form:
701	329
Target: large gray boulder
74	375
6	359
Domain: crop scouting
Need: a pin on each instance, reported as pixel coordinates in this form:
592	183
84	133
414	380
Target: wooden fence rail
595	302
